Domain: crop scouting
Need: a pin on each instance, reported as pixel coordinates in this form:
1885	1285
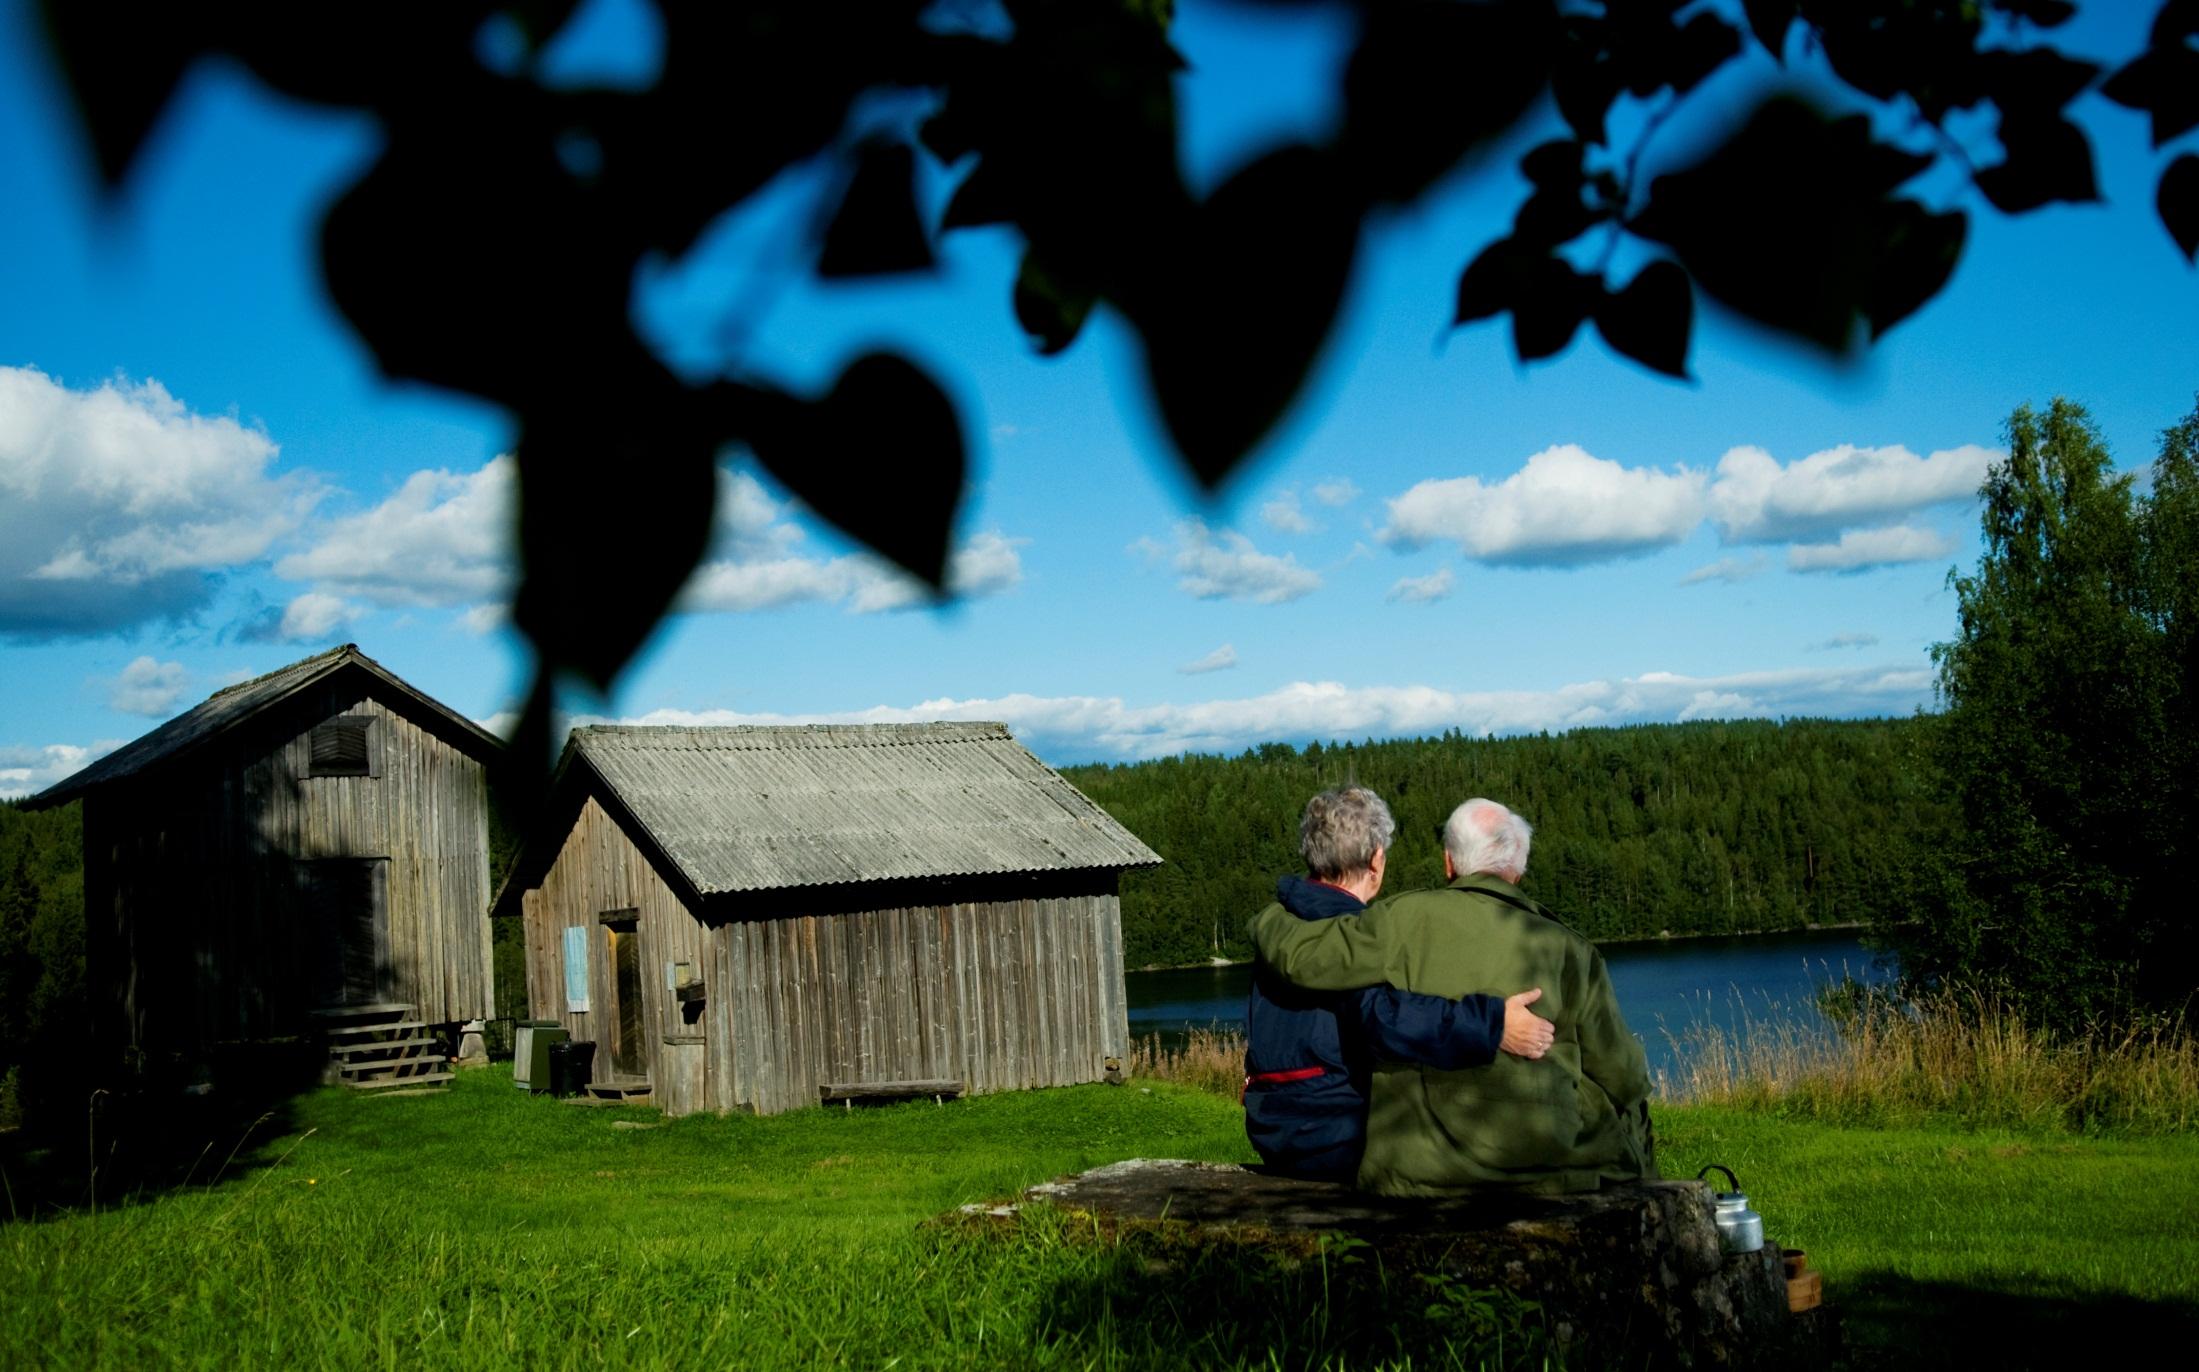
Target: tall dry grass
1209	1060
1957	1052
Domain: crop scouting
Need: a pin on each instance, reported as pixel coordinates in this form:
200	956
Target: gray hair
1343	830
1483	836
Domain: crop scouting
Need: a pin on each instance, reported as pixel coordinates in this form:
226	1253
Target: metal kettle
1741	1228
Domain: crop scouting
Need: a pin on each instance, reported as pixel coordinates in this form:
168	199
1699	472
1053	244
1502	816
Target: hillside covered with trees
1704	828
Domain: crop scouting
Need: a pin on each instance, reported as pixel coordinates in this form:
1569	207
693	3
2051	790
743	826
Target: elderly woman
1310	1054
1568	1121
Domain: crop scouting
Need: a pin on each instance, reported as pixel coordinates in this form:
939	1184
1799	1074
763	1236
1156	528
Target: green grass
488	1229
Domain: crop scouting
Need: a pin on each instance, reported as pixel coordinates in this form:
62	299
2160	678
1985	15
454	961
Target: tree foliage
41	953
2070	737
1707	828
492	245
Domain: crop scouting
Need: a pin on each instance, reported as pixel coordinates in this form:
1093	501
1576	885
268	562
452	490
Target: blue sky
203	477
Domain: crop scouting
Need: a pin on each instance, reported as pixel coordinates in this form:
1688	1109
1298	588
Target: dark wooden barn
748	918
314	840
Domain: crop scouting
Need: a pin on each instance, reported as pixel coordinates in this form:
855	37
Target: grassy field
487	1229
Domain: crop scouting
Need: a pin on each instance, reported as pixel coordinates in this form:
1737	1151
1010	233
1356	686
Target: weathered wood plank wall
598	868
196	885
998	994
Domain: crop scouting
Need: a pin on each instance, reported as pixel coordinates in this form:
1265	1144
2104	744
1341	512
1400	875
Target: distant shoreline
1849	926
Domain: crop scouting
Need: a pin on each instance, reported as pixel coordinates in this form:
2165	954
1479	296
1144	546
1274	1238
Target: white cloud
484	619
1756	500
1859	549
1850	640
444	538
1423	590
148	687
1727	569
1071	728
1221	659
1283	513
1564	507
314	616
119	506
1226	566
1336	493
986	565
27	771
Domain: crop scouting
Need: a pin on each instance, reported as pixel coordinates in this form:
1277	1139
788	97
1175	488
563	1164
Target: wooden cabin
312	840
750	918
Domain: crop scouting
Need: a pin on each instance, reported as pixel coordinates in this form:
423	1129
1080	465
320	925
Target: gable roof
232	705
758	808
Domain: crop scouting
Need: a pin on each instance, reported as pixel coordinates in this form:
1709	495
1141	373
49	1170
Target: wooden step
357	1050
389	1083
348	1030
389	1064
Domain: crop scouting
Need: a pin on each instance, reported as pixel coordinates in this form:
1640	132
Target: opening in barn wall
347	907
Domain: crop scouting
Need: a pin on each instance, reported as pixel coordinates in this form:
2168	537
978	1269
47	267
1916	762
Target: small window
576	970
345	747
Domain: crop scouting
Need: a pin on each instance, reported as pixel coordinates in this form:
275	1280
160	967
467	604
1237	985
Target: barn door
629	1050
347	903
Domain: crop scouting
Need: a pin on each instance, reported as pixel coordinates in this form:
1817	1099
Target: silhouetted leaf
1583	82
1492	281
880	456
2034	79
1791	223
980	199
122	62
613	517
1234	320
877	231
1769	20
2048	160
1430	79
2046	14
1553	302
1700	47
1918	252
2164	81
1050	310
2178	202
1651	319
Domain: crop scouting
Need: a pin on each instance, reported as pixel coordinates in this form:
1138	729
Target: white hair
1483	836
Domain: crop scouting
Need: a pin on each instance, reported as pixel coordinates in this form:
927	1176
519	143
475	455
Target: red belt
1278	1078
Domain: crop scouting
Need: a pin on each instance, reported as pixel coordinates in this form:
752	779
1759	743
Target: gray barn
312	839
740	917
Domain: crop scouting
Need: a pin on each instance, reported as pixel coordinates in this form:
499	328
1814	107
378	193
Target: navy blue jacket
1314	1124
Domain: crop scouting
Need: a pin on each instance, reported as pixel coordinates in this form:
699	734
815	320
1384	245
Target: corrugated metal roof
234	704
758	808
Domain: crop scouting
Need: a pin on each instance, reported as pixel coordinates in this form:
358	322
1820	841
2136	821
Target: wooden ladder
382	1048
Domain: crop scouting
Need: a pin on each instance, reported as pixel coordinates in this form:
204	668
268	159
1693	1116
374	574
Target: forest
1700	828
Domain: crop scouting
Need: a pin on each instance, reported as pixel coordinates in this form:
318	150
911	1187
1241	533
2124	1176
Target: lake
1663	986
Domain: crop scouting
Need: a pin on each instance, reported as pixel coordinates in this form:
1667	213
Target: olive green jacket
1568	1121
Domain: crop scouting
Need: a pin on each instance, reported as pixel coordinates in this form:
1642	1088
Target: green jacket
1568	1121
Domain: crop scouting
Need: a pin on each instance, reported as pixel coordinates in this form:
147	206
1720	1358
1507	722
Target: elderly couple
1436	1077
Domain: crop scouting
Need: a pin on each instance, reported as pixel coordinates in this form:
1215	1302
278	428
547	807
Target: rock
1632	1275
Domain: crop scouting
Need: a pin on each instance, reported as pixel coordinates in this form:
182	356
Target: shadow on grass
117	1147
1147	1301
1893	1321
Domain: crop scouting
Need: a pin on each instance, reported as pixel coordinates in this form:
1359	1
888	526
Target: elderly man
1570	1121
1308	1054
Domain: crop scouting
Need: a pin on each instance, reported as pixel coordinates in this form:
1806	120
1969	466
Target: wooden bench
849	1092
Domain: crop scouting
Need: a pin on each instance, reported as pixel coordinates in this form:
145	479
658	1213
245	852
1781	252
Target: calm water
1663	986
